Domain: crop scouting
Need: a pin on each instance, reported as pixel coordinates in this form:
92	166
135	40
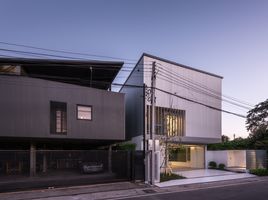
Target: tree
225	138
257	117
259	138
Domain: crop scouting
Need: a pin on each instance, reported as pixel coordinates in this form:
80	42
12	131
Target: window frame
83	105
53	117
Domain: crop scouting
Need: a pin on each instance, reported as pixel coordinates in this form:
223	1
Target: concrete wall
256	159
237	158
134	102
231	158
203	125
25	109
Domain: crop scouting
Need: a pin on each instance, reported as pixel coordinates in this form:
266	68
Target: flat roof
91	73
180	65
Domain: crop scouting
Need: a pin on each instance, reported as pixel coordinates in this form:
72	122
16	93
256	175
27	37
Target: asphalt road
249	191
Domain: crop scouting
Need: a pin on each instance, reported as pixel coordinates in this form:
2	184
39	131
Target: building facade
54	100
187	112
57	105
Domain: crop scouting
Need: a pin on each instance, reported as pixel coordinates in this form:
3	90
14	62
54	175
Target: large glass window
58	117
181	154
84	112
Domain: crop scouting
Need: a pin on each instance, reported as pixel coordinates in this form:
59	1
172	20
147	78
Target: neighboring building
56	104
187	126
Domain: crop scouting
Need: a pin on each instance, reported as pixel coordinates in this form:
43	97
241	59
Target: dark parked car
91	167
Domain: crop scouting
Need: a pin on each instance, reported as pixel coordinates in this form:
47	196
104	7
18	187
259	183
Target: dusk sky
228	38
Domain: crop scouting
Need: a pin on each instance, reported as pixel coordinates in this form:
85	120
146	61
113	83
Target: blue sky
229	38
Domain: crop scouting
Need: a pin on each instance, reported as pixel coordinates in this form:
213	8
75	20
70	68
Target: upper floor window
58	117
84	112
168	121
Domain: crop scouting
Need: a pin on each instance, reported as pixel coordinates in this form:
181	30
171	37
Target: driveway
203	173
203	176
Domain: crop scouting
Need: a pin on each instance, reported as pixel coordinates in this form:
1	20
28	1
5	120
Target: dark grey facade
25	110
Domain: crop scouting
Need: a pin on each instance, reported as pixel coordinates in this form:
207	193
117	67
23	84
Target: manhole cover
149	191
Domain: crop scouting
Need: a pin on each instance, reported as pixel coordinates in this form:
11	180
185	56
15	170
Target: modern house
187	112
59	104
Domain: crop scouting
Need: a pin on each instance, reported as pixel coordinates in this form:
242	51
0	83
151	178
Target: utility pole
153	81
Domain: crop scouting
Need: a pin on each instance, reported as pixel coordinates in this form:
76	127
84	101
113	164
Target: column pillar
110	159
44	162
32	159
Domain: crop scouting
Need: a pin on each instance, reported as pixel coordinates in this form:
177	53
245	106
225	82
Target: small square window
84	112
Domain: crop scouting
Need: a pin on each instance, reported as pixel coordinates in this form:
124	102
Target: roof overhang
180	65
90	73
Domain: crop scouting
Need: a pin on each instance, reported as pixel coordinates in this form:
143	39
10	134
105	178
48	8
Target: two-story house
59	104
187	112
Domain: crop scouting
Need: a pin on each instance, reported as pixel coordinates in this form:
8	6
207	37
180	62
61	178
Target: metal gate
68	167
138	167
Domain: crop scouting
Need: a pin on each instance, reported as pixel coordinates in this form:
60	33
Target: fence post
128	165
44	161
32	160
110	159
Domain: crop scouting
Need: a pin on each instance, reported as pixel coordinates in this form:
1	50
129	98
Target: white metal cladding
201	122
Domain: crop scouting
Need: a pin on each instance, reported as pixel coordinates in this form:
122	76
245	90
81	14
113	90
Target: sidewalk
99	190
114	191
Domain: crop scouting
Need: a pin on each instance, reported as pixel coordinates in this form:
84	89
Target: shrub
221	166
167	177
212	164
259	172
125	146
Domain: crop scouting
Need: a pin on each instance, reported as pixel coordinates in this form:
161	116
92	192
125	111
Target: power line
10	82
195	89
63	51
42	54
73	53
9	56
52	55
184	98
193	101
204	87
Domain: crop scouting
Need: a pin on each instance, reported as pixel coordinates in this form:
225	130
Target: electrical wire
81	58
193	101
53	55
63	51
203	86
197	90
10	82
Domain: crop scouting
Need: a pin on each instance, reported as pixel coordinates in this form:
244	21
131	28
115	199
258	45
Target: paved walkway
204	176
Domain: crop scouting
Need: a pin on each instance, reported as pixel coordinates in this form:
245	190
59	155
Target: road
239	189
249	191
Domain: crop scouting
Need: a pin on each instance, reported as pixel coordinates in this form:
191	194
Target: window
181	154
84	112
58	117
168	121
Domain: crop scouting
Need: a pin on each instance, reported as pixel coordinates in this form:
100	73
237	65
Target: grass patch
259	172
168	177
